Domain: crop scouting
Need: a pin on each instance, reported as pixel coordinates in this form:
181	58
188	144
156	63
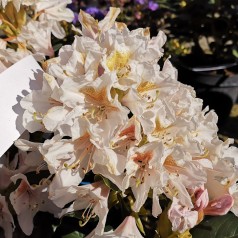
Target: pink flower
219	206
201	199
181	217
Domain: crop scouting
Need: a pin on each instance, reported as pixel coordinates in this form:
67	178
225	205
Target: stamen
88	210
38	14
76	164
204	155
46	180
118	60
54	102
142	160
89	165
40	167
12	27
117	145
141	177
38	116
146	86
88	213
172	191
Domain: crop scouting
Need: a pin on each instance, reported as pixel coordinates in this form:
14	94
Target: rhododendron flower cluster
28	25
110	110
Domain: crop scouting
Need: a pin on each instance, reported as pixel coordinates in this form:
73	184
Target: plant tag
16	82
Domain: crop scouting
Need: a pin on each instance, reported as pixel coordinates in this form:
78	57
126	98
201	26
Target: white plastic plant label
15	83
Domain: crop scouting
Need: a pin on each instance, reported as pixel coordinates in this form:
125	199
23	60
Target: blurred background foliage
200	27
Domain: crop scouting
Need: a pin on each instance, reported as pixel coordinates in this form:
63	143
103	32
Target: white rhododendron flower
54	10
181	217
127	229
37	36
29	27
110	116
92	198
47	101
27	200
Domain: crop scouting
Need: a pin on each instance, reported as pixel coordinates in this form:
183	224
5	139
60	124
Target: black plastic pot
217	85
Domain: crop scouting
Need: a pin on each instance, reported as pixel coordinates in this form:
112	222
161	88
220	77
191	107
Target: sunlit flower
92	28
143	171
54	10
92	198
43	108
36	36
68	159
110	110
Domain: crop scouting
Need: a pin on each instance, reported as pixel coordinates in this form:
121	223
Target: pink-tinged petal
25	220
141	193
181	217
92	197
128	228
20	200
219	206
201	199
156	208
101	210
5	175
27	200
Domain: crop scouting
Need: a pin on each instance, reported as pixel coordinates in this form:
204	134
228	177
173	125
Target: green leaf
74	234
217	227
112	200
107	182
75	214
57	47
235	53
164	226
108	228
139	223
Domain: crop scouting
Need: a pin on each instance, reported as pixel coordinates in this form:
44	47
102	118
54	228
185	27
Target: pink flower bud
219	206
